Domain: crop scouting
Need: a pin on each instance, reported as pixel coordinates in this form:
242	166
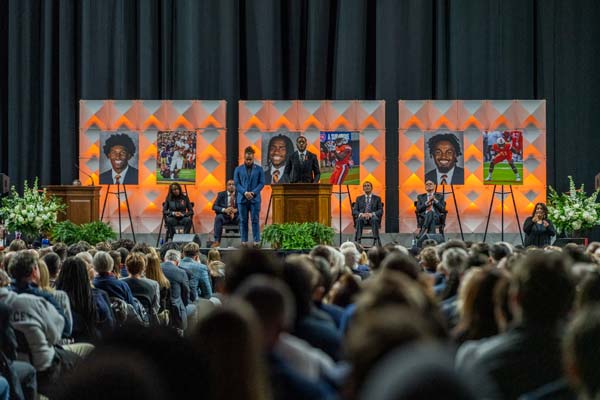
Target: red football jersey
505	150
347	158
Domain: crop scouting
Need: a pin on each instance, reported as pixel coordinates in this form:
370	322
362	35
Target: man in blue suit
249	180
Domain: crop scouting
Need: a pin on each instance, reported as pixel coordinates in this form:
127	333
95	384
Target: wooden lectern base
302	202
83	202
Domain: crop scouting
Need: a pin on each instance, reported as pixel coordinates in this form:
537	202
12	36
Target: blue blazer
253	182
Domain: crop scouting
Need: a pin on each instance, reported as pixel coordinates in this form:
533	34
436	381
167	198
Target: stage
403	239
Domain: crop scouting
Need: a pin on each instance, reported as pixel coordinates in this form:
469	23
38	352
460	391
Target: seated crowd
456	320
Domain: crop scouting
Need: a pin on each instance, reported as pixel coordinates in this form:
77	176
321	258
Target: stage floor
404	239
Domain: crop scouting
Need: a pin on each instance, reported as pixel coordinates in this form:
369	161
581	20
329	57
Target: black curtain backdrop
54	53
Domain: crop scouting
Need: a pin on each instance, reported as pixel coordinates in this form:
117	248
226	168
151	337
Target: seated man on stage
430	206
367	210
226	209
177	210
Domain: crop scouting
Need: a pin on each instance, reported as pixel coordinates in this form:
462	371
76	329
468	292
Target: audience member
528	355
197	272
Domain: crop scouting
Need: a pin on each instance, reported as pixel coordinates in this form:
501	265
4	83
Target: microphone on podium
86	174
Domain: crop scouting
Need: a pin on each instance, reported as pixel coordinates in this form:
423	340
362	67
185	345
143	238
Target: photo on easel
119	158
340	158
503	157
176	157
277	148
444	161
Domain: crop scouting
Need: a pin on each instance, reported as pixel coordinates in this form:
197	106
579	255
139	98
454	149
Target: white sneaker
489	177
518	178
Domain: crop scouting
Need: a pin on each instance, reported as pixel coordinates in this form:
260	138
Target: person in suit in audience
249	181
119	148
226	209
303	165
430	207
367	210
180	289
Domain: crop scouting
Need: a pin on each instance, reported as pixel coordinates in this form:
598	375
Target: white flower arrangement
33	214
574	210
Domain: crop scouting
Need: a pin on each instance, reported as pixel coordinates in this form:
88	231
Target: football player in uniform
503	151
343	160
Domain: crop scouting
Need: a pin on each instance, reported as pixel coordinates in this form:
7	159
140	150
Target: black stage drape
53	53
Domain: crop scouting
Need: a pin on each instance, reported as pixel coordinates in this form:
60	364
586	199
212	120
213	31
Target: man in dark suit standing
445	150
430	206
119	149
226	209
367	210
303	165
249	181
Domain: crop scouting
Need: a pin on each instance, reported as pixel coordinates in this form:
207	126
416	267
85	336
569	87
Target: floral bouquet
31	215
573	211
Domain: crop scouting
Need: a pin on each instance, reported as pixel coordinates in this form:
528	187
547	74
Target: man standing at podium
249	180
303	165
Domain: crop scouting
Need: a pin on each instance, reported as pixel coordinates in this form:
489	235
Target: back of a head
173	256
423	372
191	249
60	249
544	287
166	247
103	262
376	333
21	265
141	247
17	245
455	259
53	263
113	374
248	262
451	244
298	275
588	290
272	301
498	251
580	352
161	346
397	261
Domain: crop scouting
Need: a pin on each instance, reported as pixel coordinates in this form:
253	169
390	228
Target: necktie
276	176
444	179
368	206
302	157
117	179
231	201
429	207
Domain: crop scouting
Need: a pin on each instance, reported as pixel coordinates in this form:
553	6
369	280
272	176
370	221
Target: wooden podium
83	202
302	202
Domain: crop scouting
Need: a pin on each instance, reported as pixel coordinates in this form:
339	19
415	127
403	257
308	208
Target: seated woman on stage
538	229
177	210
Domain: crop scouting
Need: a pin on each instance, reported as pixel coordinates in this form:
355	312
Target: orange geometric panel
147	117
473	198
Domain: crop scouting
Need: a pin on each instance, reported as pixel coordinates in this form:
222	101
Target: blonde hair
214	255
44	276
154	271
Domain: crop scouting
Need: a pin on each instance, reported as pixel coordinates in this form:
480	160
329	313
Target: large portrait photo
340	158
119	158
444	162
502	157
277	148
176	158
